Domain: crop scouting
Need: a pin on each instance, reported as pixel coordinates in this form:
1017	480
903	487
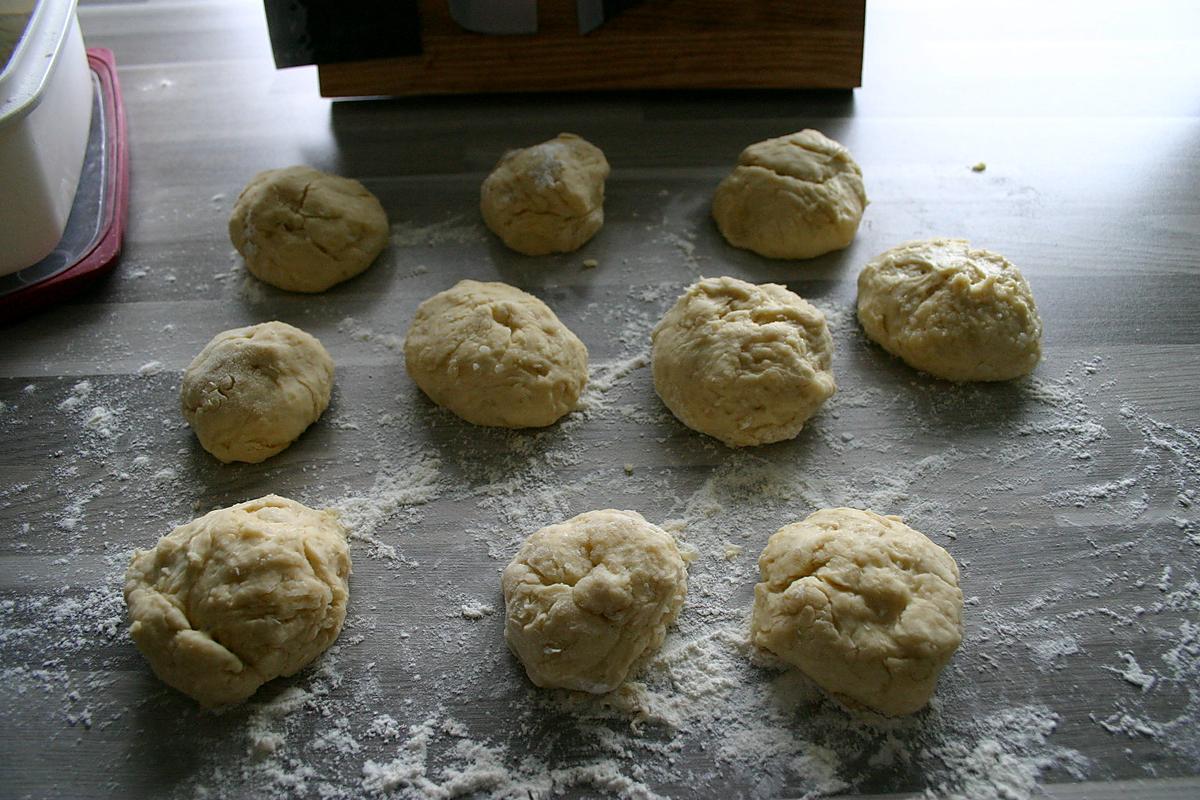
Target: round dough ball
238	597
745	364
548	198
304	230
864	605
495	355
798	196
587	598
952	311
252	391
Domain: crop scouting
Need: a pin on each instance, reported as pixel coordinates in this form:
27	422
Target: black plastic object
332	31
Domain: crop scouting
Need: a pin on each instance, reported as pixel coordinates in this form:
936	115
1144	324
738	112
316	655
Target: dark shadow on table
468	133
175	742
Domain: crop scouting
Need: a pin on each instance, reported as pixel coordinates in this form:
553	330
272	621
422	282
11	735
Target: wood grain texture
1065	498
659	44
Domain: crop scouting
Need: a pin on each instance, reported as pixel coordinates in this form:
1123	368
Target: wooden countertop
1069	500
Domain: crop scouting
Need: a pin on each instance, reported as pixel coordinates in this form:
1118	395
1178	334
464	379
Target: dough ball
745	364
952	311
548	198
587	598
304	230
238	597
495	355
864	605
798	196
252	391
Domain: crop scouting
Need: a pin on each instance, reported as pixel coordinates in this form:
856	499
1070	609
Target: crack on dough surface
252	391
953	311
796	196
864	605
239	596
303	230
745	364
548	198
495	355
587	598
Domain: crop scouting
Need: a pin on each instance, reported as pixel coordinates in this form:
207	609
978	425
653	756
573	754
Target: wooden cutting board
659	44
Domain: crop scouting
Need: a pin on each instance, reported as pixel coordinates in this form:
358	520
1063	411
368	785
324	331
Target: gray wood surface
1069	500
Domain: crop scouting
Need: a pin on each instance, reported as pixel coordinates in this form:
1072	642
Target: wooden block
659	44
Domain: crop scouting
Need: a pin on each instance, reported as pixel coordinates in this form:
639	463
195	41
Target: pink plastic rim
101	257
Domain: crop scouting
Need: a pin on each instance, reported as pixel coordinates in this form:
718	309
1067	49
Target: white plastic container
45	112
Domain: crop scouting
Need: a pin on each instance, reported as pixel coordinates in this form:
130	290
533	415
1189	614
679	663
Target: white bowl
45	112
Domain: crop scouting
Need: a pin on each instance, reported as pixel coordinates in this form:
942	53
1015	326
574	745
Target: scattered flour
421	699
475	610
1133	673
392	498
360	333
470	767
455	229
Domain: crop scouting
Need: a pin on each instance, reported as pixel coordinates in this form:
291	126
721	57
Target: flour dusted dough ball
585	599
495	355
252	391
745	364
548	198
950	310
304	230
864	605
798	196
238	597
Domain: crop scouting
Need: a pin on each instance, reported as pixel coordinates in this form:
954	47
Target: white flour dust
1071	511
454	229
361	333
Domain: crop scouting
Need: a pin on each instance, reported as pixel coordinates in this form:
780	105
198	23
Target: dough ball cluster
252	391
951	310
745	364
864	605
585	599
495	355
238	597
797	196
548	198
304	230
